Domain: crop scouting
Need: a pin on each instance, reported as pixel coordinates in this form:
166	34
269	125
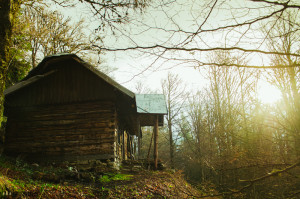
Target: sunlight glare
268	94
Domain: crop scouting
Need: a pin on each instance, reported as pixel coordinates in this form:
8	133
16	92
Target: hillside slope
19	179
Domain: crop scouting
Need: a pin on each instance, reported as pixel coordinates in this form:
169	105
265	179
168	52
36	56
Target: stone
35	165
38	175
51	177
136	168
88	177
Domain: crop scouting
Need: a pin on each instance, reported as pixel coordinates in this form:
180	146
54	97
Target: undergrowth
19	179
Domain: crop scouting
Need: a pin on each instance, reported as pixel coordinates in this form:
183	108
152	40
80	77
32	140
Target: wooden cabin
66	110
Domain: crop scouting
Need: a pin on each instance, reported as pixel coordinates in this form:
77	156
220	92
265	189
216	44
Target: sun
267	93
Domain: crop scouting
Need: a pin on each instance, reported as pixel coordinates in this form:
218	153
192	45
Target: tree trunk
5	37
139	146
155	130
296	104
171	144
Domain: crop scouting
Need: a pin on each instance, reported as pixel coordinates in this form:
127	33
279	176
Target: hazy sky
149	29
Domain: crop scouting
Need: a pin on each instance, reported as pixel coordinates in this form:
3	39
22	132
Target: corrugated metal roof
151	103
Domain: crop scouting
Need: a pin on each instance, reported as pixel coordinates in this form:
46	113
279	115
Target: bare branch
197	49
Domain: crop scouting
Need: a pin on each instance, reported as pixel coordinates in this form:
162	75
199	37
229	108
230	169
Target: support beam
123	146
139	146
155	131
139	138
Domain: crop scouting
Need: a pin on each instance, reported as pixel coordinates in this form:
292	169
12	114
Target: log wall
72	132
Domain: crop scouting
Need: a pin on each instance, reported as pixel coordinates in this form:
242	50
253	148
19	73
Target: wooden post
155	131
123	145
139	144
139	147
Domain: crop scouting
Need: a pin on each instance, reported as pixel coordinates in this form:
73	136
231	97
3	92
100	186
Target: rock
99	169
114	165
88	177
51	177
99	163
136	168
70	175
64	164
35	165
38	175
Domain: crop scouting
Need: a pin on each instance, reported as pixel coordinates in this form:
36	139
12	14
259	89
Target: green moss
115	177
105	179
120	176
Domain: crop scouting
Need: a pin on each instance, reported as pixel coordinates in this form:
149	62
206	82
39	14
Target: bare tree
285	38
193	28
176	95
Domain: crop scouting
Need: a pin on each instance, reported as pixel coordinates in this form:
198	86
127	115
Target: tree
9	10
193	29
141	88
285	38
50	33
176	96
110	13
39	33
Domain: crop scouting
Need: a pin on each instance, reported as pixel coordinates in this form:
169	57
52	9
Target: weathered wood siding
70	82
78	131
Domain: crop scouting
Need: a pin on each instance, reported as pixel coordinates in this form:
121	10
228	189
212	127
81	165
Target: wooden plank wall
71	83
71	132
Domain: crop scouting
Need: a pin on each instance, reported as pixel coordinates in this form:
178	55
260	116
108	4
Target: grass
7	186
108	177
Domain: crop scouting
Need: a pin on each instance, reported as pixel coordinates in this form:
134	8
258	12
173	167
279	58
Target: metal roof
151	103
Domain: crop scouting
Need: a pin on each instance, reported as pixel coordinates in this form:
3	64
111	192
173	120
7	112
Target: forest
222	137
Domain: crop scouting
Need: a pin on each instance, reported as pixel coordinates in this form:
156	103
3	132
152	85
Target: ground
19	179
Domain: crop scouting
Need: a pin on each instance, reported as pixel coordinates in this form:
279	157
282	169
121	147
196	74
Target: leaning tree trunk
9	11
5	37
